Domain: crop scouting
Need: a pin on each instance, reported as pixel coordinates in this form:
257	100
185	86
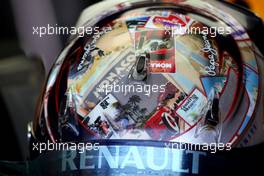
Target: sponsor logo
123	158
161	65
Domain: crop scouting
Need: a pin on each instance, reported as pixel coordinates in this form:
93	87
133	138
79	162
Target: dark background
24	61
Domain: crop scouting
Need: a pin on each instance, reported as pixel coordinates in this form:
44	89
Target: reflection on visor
155	75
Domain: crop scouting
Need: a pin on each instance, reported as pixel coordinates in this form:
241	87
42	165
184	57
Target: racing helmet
148	72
